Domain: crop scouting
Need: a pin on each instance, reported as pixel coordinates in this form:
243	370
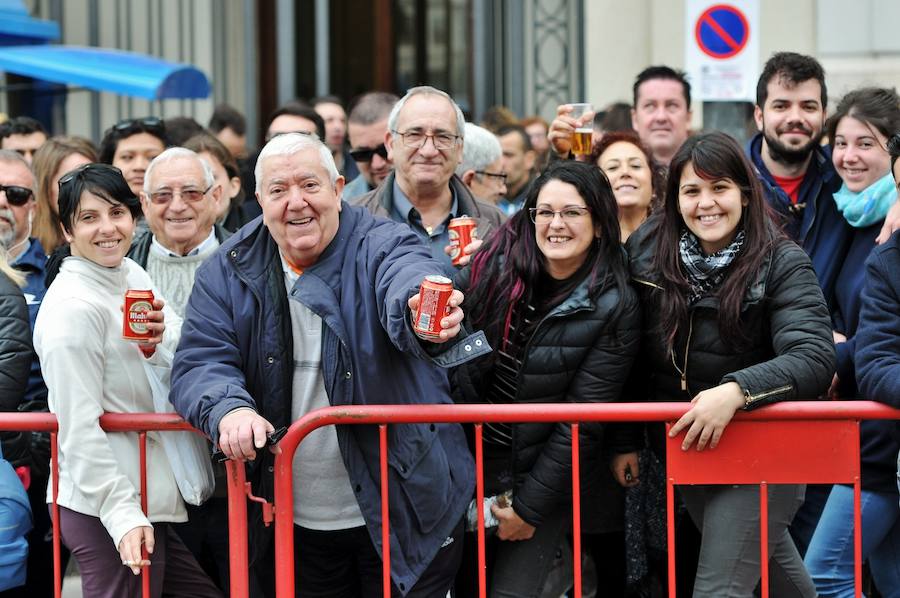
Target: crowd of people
665	265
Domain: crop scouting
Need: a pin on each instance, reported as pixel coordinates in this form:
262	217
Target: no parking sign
722	48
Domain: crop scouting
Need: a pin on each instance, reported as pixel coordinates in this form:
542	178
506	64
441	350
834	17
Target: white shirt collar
208	244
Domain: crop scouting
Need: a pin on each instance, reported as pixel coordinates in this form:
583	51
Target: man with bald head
425	141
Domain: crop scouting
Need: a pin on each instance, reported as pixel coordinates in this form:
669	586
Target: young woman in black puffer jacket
550	290
733	319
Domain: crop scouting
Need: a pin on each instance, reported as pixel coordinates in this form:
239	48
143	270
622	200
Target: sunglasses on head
16	195
95	166
147	121
364	154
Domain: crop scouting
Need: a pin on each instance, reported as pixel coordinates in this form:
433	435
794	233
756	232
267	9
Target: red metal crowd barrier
111	422
794	429
804	442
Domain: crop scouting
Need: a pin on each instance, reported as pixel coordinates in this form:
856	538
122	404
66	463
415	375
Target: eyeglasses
190	195
365	154
568	214
500	176
93	166
16	195
417	139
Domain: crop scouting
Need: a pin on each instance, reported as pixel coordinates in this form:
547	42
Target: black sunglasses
16	195
364	154
69	176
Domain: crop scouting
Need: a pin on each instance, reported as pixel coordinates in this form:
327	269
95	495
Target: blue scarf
868	206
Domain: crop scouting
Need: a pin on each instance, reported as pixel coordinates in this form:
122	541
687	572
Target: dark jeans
345	564
174	571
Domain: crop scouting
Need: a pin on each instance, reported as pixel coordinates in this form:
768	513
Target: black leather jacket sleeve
15	345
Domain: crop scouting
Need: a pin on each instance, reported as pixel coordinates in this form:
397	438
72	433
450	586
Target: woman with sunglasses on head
733	319
90	369
550	290
860	129
130	145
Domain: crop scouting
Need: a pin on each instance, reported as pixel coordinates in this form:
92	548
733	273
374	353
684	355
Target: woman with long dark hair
860	130
90	369
550	290
733	319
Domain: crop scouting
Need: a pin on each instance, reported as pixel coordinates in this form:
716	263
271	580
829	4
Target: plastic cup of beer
581	140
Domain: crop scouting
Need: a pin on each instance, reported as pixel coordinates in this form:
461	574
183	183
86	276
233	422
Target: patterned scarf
706	272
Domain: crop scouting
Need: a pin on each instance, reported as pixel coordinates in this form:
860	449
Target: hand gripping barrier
781	443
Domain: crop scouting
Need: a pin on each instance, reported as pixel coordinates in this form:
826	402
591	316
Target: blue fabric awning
101	69
17	27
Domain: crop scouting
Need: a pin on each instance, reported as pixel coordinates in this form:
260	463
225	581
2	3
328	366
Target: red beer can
434	299
134	324
461	231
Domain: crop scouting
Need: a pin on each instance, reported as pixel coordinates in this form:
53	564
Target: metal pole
323	41
287	50
251	82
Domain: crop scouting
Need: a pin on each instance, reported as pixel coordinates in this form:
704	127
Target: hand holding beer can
138	304
582	138
434	305
461	232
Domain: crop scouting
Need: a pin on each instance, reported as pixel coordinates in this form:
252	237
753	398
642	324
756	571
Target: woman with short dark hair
90	369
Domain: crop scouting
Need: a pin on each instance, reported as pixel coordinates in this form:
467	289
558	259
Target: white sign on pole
722	49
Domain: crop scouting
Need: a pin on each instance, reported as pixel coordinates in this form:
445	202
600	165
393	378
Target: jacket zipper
647	282
749	399
687	345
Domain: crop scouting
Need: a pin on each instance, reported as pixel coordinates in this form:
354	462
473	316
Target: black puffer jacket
790	352
577	354
15	345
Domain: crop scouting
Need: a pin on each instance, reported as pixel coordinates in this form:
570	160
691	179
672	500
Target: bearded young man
794	167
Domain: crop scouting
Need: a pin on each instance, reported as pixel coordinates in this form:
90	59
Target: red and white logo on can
134	324
434	304
461	232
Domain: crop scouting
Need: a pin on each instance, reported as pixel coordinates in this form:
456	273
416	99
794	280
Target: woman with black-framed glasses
550	290
89	370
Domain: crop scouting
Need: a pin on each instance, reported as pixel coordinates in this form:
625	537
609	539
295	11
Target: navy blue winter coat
878	359
815	223
236	349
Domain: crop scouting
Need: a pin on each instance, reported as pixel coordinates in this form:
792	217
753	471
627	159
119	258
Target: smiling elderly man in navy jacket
309	307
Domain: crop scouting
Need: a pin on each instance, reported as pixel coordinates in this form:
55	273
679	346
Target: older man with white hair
310	307
180	202
481	168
